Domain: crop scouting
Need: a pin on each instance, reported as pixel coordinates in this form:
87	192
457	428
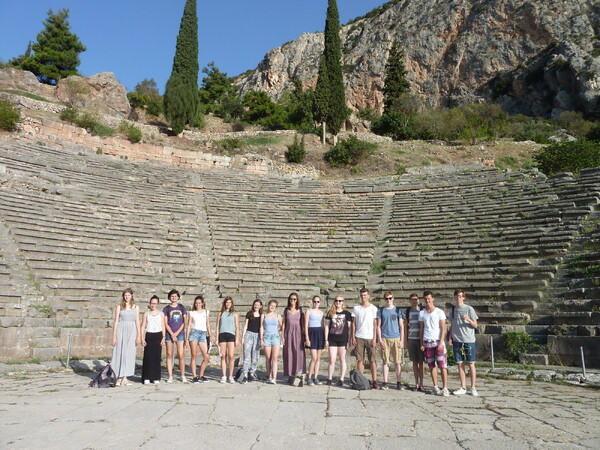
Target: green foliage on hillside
296	152
146	96
9	116
395	84
568	156
330	98
180	102
349	152
56	52
376	11
218	96
87	120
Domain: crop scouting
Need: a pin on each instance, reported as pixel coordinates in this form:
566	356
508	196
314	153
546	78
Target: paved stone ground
57	410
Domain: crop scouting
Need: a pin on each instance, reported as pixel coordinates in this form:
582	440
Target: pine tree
330	98
396	83
181	92
56	52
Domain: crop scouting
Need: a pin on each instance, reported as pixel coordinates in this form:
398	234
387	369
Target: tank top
314	320
199	319
154	322
253	322
271	325
227	324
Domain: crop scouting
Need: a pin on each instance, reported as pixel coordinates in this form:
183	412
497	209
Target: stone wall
69	136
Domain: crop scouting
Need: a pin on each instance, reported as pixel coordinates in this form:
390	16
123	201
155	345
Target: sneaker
376	385
329	382
400	386
146	381
203	380
317	381
435	390
195	380
340	383
310	382
251	377
184	379
445	392
271	381
474	392
461	391
383	387
421	389
223	379
170	379
230	380
156	381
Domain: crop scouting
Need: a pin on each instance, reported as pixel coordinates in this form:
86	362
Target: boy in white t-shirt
432	331
364	337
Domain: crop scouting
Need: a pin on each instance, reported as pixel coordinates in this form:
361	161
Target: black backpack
106	378
358	381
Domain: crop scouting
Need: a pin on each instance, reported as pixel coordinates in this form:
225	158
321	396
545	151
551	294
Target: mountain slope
533	56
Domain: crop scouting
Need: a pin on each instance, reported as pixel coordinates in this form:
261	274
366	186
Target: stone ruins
76	228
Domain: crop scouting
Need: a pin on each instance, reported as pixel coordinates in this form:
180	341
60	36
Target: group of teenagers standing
366	328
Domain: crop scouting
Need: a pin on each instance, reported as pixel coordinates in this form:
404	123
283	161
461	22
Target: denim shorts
271	339
180	337
197	336
464	351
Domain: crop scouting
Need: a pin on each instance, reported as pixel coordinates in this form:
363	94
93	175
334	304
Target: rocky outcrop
532	56
101	91
22	80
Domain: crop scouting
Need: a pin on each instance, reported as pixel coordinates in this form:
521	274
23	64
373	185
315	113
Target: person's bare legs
205	357
170	346
231	356
333	351
343	365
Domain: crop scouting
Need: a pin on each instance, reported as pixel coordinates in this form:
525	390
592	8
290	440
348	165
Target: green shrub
231	143
594	133
574	122
507	162
367	114
296	152
398	125
134	134
69	115
517	343
9	116
523	128
568	156
349	152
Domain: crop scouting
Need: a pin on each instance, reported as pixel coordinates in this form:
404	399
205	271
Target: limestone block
537	359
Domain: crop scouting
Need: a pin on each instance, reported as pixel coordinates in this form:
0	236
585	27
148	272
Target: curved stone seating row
86	226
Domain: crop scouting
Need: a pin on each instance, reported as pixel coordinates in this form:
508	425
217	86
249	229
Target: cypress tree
330	98
181	92
56	52
396	83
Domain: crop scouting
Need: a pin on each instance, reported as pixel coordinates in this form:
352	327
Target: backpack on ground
239	375
358	381
106	378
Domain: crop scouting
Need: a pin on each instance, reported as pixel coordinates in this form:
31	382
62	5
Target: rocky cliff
537	57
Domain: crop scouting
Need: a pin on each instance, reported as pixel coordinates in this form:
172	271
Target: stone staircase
77	228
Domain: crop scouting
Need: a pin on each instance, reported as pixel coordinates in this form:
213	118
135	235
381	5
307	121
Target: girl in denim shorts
270	339
198	330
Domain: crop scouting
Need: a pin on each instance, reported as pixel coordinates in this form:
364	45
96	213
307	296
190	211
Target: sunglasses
293	299
389	298
338	301
316	301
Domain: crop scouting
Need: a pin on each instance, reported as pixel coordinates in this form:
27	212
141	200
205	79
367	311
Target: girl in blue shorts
270	339
198	333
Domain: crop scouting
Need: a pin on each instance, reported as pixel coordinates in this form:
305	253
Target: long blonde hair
123	302
333	310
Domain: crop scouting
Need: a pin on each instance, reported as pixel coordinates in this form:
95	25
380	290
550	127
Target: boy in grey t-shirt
463	322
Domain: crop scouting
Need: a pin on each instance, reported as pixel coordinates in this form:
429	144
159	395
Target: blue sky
135	39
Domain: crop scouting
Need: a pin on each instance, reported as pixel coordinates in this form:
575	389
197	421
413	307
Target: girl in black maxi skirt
153	338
